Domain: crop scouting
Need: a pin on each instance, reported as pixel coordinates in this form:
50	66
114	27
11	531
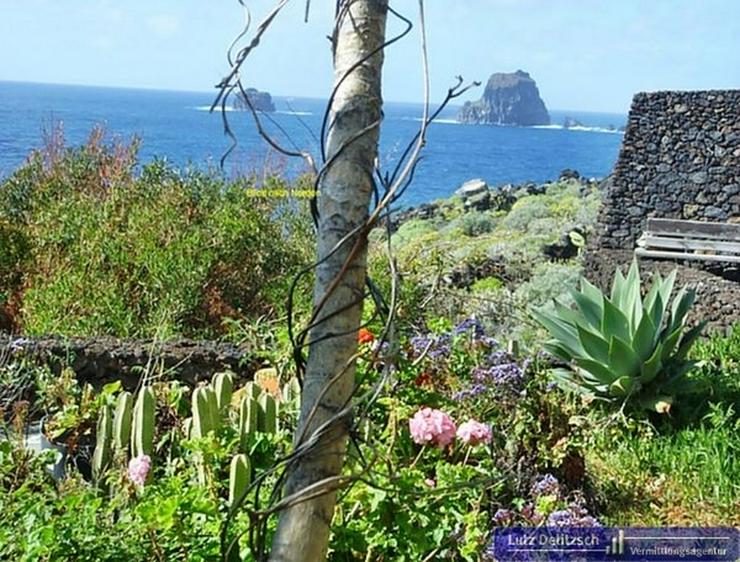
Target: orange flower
365	336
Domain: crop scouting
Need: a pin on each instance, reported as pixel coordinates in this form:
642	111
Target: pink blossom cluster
138	469
474	433
434	427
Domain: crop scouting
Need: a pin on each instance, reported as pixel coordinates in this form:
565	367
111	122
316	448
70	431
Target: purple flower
574	516
469	324
560	518
503	517
548	485
435	346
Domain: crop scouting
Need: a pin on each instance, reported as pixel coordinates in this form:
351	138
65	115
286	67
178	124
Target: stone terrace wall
680	158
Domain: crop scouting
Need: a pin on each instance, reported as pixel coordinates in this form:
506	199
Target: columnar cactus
205	412
142	428
239	478
213	410
252	390
267	416
248	416
101	455
292	394
223	385
122	421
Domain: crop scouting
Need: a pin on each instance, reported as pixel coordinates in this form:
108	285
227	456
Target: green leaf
631	303
595	346
666	288
622	359
565	334
652	366
670	343
558	350
688	340
598	371
681	306
617	288
592	292
645	337
622	386
656	314
592	310
614	323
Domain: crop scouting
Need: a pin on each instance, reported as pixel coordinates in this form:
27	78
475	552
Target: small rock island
510	98
261	101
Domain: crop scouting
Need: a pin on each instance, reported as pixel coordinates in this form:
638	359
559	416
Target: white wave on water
230	108
442	121
579	128
299	113
208	108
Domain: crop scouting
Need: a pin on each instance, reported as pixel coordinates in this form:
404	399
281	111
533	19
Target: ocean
177	126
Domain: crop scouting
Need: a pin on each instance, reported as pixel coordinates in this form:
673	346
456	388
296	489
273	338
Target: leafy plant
623	347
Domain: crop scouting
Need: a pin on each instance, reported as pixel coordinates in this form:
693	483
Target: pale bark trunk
303	529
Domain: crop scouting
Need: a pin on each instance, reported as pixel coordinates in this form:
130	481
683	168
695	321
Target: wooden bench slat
643	252
651	242
694	229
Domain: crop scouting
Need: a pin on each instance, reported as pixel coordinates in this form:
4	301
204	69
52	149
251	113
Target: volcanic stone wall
680	158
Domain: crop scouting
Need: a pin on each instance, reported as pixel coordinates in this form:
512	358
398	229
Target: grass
690	477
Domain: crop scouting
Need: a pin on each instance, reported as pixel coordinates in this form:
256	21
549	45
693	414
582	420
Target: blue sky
584	54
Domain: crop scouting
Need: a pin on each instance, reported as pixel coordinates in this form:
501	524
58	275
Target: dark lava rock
104	359
261	101
509	99
569	174
566	248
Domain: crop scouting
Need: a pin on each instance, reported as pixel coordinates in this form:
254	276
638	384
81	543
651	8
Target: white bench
690	240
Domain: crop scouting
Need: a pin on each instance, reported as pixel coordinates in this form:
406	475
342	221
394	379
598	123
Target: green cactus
292	394
248	415
142	427
122	421
267	416
101	455
239	478
252	390
213	410
223	385
205	412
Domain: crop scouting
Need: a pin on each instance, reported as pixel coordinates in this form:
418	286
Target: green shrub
623	348
103	250
476	223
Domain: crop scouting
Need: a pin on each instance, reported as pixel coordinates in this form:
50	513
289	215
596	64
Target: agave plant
624	347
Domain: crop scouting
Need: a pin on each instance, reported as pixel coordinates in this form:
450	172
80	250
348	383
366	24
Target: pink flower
138	468
474	433
432	427
431	483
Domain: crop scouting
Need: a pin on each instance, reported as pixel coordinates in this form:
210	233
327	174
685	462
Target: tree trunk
345	194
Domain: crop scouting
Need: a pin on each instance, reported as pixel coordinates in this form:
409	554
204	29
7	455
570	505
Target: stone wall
680	158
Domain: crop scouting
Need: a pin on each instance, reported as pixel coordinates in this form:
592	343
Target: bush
102	250
477	223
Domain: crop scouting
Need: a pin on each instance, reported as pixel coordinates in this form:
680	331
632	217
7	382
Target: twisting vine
388	188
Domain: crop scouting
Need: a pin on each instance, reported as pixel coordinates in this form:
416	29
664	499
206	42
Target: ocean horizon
177	126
